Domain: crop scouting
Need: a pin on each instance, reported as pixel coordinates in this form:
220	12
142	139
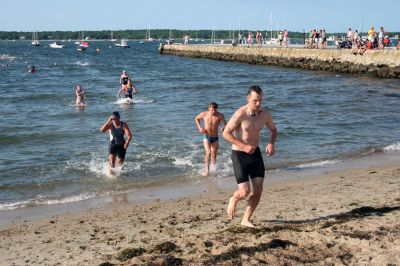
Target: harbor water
53	152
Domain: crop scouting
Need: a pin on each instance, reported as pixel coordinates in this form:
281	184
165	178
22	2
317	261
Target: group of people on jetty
242	131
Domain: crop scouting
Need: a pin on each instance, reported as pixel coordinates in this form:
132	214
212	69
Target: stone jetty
380	63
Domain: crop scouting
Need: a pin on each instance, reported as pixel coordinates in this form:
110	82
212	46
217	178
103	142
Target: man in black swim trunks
248	165
118	145
212	119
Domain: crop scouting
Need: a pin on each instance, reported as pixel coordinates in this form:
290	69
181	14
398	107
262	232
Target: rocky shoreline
379	63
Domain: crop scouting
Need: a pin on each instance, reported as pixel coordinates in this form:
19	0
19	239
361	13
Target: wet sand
348	217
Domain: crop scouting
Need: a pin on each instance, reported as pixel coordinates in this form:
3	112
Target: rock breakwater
380	63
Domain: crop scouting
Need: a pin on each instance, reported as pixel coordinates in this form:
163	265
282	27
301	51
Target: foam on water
392	147
80	63
7	57
317	164
41	200
135	100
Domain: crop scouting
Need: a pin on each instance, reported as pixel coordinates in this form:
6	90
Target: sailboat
112	37
170	39
35	41
148	37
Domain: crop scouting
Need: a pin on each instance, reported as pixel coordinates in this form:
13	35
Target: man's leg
111	159
254	199
242	192
214	149
207	148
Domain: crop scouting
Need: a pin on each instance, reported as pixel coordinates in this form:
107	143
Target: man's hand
270	150
248	149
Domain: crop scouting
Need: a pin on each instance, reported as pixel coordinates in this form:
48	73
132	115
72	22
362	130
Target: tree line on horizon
155	33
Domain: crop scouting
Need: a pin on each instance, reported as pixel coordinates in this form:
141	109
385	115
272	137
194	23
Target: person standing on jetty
212	119
118	145
246	124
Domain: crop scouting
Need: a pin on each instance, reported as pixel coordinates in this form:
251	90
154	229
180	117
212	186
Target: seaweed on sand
130	253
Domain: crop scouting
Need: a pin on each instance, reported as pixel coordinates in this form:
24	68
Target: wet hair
256	89
116	114
213	104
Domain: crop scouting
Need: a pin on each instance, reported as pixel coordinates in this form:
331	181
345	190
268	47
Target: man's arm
270	150
232	125
107	125
197	120
129	134
223	122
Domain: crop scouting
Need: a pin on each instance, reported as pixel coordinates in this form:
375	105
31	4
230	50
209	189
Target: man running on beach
118	145
212	119
248	165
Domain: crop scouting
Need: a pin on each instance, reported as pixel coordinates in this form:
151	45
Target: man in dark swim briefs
248	165
118	145
212	119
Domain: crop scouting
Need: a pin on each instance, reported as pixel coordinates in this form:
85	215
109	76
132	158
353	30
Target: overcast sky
294	15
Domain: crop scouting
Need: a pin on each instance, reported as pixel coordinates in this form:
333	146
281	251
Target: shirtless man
80	95
248	165
212	119
118	145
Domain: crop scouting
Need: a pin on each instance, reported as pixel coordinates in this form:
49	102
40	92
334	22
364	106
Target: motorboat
56	45
84	44
122	44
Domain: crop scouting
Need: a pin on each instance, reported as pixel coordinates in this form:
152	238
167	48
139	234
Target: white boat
56	45
123	44
35	41
148	37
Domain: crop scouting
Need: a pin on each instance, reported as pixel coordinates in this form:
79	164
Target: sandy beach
350	217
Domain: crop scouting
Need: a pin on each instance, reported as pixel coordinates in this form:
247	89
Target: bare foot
111	172
231	208
247	224
205	173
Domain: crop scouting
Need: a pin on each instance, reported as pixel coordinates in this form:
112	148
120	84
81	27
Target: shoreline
342	216
182	188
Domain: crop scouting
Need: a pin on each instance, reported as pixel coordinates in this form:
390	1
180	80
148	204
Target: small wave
79	63
7	57
182	162
392	147
138	100
317	164
124	101
134	100
42	201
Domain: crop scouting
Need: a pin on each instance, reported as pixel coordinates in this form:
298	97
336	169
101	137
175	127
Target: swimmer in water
80	95
118	144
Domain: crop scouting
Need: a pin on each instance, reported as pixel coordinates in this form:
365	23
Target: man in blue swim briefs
118	145
246	124
212	119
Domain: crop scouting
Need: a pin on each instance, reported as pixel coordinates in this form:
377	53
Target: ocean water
52	152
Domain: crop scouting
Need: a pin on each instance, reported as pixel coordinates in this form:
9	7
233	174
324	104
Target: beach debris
130	253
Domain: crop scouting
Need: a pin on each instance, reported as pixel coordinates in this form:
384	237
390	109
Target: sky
294	15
